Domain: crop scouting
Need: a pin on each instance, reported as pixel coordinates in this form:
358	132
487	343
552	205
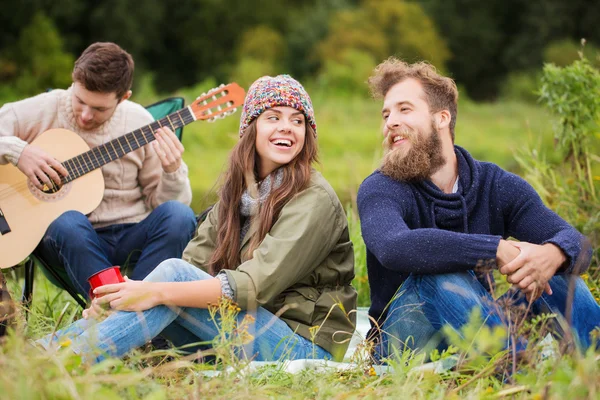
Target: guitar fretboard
117	148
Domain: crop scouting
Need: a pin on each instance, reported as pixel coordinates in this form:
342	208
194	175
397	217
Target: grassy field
350	148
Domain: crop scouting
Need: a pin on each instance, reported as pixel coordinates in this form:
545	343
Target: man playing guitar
144	215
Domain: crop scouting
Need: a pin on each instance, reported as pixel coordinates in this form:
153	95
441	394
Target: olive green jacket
302	269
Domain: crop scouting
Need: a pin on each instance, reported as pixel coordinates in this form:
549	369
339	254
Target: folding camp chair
59	276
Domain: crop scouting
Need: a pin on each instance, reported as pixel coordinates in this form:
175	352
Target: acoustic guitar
26	212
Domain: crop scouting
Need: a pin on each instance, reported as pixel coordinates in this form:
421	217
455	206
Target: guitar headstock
218	102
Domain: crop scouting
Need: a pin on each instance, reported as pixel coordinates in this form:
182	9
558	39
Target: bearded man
432	215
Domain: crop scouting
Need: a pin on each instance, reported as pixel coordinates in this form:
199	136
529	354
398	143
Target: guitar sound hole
51	190
54	188
49	193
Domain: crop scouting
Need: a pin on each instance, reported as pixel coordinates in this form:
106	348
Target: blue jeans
425	303
72	244
123	331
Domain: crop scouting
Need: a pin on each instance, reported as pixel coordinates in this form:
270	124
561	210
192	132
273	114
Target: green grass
29	373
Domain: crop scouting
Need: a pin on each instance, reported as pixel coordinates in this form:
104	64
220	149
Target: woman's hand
128	296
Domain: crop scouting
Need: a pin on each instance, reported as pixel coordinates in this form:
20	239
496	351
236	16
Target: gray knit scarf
249	205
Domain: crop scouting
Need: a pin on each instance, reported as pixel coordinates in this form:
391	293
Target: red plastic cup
105	277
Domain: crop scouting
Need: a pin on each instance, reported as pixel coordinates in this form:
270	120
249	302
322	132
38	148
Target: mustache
405	132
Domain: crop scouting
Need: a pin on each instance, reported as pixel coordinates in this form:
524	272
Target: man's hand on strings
169	149
38	166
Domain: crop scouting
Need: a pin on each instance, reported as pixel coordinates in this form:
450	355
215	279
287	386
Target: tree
382	29
373	32
39	59
261	52
489	40
305	29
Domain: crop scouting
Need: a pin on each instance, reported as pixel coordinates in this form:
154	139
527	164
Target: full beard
422	160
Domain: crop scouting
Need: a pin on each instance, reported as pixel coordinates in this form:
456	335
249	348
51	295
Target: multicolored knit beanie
268	92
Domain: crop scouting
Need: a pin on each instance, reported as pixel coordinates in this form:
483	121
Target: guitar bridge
4	228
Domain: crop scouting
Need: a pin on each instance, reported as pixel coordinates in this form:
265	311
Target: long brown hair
242	173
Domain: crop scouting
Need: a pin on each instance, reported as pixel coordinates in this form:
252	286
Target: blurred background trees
493	48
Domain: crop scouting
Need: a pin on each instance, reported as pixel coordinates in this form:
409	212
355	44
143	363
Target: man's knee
178	216
571	288
68	222
176	210
70	226
463	284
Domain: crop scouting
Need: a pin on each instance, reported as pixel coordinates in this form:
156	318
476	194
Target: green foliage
564	52
476	340
571	94
262	43
247	70
410	33
261	52
492	39
37	60
347	75
571	185
521	86
360	38
483	42
352	29
305	29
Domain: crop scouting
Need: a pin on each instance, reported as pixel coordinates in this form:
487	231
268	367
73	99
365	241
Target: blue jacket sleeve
528	219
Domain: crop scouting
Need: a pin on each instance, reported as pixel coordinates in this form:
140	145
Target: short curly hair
440	91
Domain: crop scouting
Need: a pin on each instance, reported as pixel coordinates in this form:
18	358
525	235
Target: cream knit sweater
134	184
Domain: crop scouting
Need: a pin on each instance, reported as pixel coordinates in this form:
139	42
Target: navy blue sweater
415	228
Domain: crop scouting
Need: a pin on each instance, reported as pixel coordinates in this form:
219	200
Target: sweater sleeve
528	219
11	148
11	145
383	212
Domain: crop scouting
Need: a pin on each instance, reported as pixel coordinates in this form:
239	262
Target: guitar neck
117	148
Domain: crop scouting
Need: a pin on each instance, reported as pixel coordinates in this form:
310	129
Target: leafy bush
571	186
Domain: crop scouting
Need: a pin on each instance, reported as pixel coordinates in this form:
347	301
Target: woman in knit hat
276	244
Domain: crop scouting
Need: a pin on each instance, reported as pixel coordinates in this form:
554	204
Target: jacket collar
451	210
